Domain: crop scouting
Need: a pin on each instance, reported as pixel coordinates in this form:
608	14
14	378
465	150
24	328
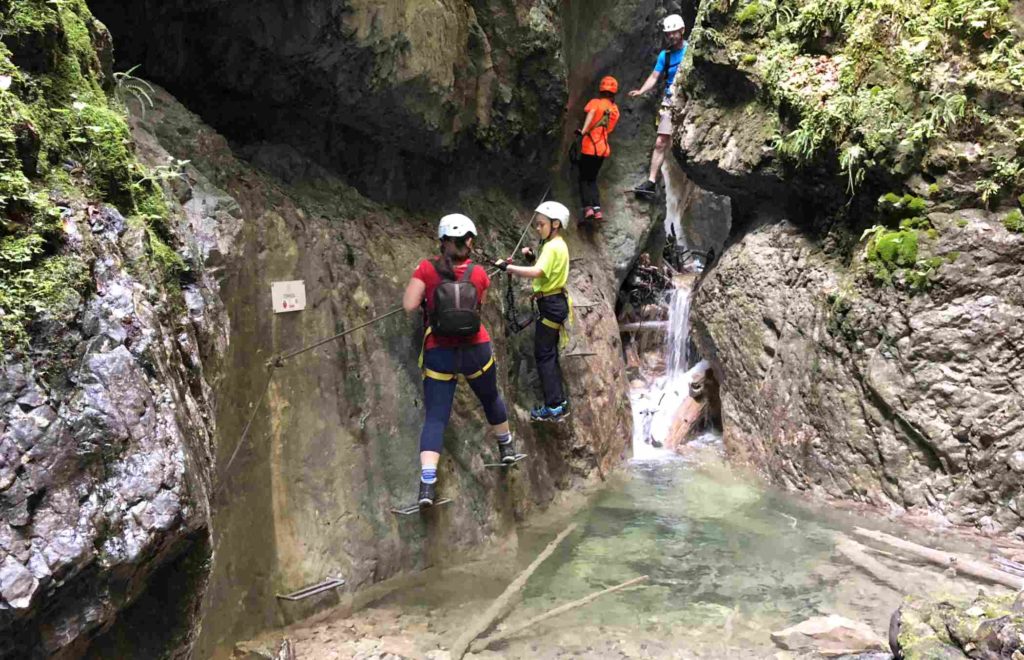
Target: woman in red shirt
445	357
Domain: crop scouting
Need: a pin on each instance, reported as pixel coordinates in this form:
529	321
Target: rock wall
334	446
865	322
137	368
106	414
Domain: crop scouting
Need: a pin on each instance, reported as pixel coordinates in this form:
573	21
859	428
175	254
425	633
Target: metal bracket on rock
311	590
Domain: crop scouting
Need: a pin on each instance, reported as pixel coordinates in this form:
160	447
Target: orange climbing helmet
609	84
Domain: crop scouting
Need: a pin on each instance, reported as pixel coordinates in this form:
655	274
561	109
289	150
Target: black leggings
589	166
545	347
439	394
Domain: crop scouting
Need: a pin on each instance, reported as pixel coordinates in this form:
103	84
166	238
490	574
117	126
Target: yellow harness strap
437	375
472	376
563	328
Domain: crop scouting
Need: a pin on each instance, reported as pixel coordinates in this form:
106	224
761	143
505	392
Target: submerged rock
831	636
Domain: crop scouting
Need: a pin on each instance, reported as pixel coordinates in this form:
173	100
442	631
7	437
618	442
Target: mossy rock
63	143
1014	221
987	626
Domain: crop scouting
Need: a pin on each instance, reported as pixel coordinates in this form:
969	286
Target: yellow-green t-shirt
554	263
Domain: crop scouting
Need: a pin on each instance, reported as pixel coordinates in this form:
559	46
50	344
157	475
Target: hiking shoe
588	213
550	413
646	188
428	494
507	452
597	213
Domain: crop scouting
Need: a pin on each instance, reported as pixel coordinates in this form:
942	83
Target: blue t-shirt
675	58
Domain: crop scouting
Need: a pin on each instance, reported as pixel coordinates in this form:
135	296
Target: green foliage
750	13
1014	221
127	86
893	255
900	207
874	83
63	143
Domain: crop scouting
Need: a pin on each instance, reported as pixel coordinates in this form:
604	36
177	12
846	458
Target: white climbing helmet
554	211
455	225
674	22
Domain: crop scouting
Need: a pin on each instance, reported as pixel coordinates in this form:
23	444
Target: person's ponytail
452	250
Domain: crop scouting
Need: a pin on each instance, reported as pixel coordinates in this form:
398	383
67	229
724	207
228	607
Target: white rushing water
655	407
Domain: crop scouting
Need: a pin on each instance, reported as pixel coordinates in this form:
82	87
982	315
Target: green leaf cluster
875	83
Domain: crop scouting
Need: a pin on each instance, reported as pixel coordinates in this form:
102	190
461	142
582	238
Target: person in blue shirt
668	63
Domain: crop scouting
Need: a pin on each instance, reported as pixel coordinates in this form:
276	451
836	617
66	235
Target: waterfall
678	336
654	407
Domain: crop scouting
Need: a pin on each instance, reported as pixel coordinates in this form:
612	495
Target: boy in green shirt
550	274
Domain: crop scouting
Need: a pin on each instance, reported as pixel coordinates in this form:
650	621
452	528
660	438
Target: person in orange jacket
602	116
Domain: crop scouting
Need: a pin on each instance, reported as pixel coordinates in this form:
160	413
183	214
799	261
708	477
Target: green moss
1014	221
750	13
748	59
61	138
900	207
867	84
962	222
894	248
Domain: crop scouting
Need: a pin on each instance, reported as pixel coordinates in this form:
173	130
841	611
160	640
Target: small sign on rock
288	296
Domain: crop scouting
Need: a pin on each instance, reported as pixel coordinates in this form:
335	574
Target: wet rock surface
394	95
831	636
843	388
837	380
335	446
106	455
988	628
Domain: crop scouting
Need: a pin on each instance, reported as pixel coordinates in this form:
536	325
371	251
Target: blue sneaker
550	413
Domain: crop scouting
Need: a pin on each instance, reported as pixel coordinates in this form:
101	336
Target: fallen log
498	607
686	416
946	559
561	609
857	555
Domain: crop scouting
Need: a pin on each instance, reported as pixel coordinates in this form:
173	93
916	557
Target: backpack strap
469	272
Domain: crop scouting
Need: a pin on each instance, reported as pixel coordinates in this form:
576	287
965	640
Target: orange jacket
606	116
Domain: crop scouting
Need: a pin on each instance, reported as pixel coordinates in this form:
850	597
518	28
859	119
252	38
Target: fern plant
129	86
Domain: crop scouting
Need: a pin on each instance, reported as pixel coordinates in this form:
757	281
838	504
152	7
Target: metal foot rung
519	457
312	590
415	508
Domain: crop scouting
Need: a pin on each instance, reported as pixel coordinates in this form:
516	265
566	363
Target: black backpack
456	309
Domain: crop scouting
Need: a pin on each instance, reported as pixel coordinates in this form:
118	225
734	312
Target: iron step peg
416	509
328	583
519	457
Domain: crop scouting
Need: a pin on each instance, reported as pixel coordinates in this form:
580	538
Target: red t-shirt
427	274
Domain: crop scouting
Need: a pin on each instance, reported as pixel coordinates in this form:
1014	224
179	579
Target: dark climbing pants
545	347
438	395
589	167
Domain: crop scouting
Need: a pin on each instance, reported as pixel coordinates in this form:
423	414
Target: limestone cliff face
106	414
335	447
866	320
424	108
395	95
